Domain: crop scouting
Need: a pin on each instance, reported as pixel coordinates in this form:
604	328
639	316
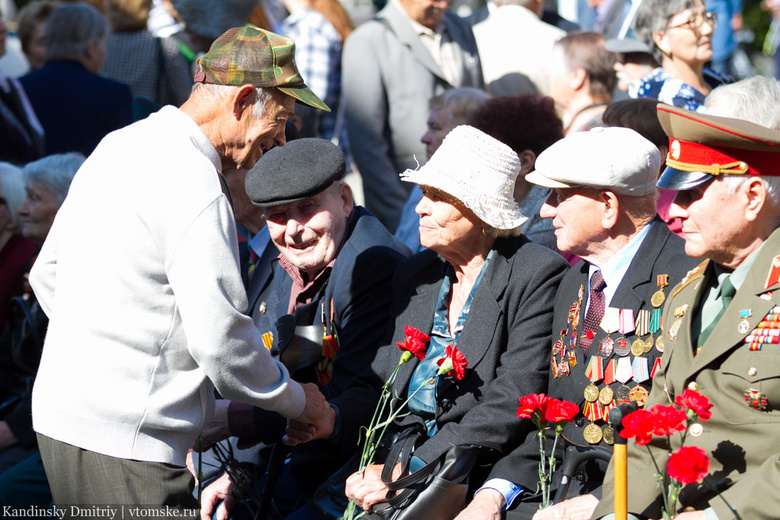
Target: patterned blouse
666	89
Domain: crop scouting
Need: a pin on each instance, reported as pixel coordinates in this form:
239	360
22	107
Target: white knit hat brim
477	170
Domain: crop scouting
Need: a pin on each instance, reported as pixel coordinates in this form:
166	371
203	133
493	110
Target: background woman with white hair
46	182
15	251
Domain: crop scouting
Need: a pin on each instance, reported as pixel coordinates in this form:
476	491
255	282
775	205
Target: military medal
648	346
696	430
679	313
605	347
609	435
557	346
268	339
623	370
554	368
573	358
638	347
610	322
638	395
623	394
639	371
622	348
262	308
658	297
754	398
605	396
592	434
744	325
627	321
591	393
563	367
656	367
609	372
642	322
659	344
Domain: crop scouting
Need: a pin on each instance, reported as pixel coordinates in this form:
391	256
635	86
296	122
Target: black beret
296	171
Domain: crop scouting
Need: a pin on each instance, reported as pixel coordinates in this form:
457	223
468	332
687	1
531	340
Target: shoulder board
692	275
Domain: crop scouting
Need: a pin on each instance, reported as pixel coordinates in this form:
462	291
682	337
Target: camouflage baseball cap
272	59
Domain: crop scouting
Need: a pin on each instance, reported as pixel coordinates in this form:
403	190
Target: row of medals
592	433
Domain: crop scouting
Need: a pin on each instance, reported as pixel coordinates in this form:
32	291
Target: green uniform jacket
741	441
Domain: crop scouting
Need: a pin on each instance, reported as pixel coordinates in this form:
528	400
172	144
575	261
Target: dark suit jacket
661	252
388	77
359	287
742	442
76	107
504	340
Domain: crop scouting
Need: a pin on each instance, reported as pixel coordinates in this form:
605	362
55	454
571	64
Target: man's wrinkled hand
316	422
487	505
578	508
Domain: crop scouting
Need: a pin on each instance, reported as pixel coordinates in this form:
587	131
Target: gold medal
592	434
649	342
591	393
605	396
609	435
658	298
638	347
675	328
554	368
659	344
638	394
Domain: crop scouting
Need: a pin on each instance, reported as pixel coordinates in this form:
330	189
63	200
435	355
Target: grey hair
653	16
641	208
12	190
756	99
262	95
460	102
56	172
771	184
71	29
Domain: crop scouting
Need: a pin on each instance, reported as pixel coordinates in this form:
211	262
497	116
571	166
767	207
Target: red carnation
688	465
454	364
638	424
560	411
667	420
533	403
414	343
696	402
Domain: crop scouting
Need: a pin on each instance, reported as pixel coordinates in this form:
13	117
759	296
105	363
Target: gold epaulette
692	275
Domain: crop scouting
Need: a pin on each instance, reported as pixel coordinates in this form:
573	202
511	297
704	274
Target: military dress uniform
738	366
626	349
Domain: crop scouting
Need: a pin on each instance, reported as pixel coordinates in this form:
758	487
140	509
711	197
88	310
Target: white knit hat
479	171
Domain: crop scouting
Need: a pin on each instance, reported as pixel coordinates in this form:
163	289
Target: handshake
316	422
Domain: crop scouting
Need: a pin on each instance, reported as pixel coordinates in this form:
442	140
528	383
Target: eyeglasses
697	20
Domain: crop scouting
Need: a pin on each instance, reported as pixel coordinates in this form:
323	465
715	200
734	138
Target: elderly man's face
426	12
262	134
576	215
308	232
38	211
712	220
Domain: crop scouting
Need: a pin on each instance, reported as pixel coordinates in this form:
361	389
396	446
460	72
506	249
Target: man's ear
243	98
577	78
611	209
755	192
347	198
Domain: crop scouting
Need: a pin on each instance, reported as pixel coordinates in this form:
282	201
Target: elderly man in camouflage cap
139	277
719	323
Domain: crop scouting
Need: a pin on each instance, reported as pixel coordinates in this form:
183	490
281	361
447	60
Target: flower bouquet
687	465
414	345
546	413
